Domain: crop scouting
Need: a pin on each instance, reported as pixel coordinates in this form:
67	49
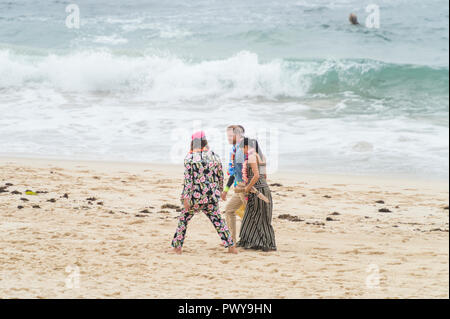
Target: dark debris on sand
384	210
3	189
19	207
335	214
290	218
65	195
379	201
36	206
327	196
275	185
145	211
315	223
329	219
170	206
439	229
51	200
16	192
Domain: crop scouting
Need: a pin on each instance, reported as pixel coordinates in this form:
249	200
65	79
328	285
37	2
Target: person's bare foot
175	251
232	250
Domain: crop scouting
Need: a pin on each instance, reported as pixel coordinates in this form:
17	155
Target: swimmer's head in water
353	18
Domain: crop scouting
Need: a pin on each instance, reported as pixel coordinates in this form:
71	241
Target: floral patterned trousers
213	213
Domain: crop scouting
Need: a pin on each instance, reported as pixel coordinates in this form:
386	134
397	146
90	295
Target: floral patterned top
203	178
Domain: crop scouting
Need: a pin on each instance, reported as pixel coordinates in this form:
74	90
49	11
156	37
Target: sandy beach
102	230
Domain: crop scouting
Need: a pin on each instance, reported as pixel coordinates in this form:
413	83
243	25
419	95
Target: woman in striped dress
256	229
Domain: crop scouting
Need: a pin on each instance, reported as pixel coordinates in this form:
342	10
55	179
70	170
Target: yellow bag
241	211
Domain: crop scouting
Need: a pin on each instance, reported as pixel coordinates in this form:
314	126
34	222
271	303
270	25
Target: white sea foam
112	39
159	78
98	104
164	31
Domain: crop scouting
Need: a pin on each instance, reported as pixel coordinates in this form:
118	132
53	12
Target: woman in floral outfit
203	185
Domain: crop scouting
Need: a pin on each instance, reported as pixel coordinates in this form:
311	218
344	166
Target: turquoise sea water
131	82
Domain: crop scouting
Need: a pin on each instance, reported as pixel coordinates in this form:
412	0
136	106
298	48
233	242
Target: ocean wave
376	79
243	75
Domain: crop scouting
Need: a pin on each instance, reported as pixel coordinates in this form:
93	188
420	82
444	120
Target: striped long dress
256	229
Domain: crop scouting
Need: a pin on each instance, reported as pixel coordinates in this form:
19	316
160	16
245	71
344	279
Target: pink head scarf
199	135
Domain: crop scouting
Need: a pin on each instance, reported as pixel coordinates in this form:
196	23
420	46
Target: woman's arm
263	166
254	165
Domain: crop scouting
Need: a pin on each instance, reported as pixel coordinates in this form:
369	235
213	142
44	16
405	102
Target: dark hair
199	143
237	129
252	143
240	129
